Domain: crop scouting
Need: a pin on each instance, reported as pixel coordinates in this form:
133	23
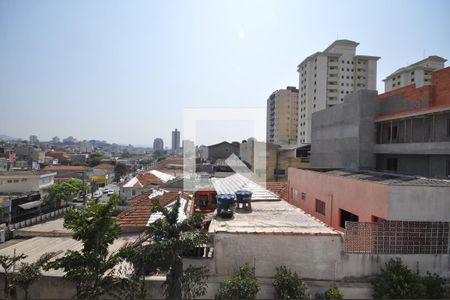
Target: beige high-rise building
418	73
326	77
282	114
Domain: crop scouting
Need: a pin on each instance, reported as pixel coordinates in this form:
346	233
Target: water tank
244	200
224	205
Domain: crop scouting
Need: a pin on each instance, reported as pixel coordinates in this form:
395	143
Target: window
320	207
304	195
16	180
9	181
448	127
394	133
295	195
392	164
133	192
347	216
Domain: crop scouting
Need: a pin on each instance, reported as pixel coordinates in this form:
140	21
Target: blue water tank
224	201
243	196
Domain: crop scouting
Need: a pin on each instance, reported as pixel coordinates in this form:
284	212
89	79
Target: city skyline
128	82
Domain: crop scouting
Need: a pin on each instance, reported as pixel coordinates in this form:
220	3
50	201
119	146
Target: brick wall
441	87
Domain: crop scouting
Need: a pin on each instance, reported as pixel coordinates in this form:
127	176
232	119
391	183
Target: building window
295	195
394	133
347	216
304	195
320	207
448	127
392	164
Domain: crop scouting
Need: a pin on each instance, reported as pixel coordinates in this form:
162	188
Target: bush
332	293
434	286
397	281
241	285
289	285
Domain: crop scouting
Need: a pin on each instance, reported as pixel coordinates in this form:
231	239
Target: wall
419	203
441	87
343	135
362	198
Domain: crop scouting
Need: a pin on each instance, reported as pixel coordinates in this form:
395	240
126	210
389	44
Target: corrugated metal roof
164	177
236	182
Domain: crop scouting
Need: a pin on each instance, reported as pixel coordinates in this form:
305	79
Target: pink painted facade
367	200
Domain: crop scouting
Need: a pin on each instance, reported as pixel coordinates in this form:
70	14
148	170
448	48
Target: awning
31	204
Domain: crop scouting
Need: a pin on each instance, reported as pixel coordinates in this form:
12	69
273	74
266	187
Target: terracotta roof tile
141	210
279	188
148	179
66	168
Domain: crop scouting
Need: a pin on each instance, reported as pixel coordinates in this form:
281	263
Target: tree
435	286
120	169
289	285
331	293
30	272
95	159
91	269
171	238
397	281
8	263
241	285
66	191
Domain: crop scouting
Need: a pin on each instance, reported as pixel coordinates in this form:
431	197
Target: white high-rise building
418	73
326	77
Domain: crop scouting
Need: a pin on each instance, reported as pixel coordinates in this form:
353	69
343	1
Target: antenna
424	53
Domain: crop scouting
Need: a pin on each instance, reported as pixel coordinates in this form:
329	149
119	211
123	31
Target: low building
272	161
30	153
143	182
137	217
26	181
336	196
67	172
222	150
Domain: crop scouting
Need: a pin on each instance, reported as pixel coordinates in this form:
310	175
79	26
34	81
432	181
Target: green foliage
435	286
30	272
7	262
91	269
193	282
397	281
173	237
241	285
331	293
95	159
120	169
289	285
59	193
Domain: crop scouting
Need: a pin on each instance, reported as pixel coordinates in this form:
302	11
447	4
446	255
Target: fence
397	237
38	219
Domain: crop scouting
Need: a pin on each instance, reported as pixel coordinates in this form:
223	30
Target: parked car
98	194
110	192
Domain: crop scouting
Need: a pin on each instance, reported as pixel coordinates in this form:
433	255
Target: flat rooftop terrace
271	217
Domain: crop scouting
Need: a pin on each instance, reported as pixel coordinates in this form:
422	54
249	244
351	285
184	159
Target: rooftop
385	178
66	168
236	182
37	246
272	217
417	64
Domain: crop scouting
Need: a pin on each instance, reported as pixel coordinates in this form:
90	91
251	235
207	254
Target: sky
124	71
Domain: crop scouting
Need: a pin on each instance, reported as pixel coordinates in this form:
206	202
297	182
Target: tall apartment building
418	73
34	140
326	77
158	144
282	114
175	140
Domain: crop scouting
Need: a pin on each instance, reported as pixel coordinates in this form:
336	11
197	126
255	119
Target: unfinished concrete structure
406	131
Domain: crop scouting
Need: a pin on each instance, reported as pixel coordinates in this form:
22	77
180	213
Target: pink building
337	196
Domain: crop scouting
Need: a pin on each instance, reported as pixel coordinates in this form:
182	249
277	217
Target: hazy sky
124	71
